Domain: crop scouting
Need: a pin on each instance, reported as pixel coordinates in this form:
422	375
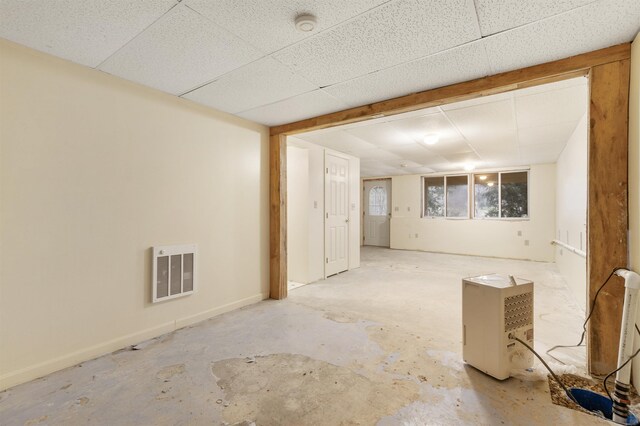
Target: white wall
316	213
634	176
298	214
94	171
494	238
305	196
571	211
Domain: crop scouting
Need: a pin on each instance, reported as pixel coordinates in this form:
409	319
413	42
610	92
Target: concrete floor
377	345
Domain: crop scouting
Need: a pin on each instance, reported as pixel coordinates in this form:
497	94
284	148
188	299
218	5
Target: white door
377	211
336	225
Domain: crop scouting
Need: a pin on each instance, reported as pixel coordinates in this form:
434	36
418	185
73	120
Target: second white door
336	214
377	211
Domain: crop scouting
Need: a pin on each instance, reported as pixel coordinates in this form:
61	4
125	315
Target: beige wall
494	238
94	171
571	212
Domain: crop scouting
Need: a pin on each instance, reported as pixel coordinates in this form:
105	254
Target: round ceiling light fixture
431	139
305	23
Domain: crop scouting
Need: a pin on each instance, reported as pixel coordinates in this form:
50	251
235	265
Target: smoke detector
305	23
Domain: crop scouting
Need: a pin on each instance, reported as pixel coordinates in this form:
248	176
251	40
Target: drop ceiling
517	128
247	58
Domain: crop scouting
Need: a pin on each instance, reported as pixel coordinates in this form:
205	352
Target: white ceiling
246	58
518	128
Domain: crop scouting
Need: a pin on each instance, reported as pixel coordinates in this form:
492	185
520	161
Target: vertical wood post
278	216
607	208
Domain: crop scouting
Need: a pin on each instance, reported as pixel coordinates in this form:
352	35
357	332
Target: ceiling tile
463	157
416	153
558	133
85	32
599	20
486	125
418	127
396	32
441	69
419	170
500	15
269	25
180	51
299	107
578	31
377	154
259	83
338	140
547	153
382	135
541	109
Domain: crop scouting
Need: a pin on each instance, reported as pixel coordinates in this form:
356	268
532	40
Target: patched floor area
377	345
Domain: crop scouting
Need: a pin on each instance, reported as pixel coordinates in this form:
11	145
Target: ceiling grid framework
247	58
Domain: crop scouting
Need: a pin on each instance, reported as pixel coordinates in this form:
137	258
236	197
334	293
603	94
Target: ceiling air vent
174	271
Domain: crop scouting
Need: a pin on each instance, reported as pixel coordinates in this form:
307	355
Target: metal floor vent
174	271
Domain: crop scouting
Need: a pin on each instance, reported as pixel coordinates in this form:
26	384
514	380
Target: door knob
346	220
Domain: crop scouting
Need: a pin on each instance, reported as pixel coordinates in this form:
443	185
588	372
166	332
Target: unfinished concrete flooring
376	345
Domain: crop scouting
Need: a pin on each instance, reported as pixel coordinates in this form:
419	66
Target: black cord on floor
584	325
604	382
557	379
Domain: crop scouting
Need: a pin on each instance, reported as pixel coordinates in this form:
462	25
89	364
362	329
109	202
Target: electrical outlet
416	235
397	209
315	204
519	233
408	208
526	242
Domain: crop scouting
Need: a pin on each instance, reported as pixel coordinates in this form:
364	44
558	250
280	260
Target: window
446	196
486	195
378	201
495	195
434	196
514	195
502	194
457	196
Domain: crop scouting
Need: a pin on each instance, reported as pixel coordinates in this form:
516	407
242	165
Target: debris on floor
558	396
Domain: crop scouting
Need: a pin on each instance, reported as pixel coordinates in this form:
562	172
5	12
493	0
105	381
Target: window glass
514	194
457	196
486	195
434	196
378	201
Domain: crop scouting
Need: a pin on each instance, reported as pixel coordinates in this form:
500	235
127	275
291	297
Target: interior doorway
377	212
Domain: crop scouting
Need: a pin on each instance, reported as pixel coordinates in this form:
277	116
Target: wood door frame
607	211
362	230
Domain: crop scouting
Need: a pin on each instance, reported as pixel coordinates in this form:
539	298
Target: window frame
500	217
445	198
471	193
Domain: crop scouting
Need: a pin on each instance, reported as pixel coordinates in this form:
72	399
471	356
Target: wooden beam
607	208
525	77
278	216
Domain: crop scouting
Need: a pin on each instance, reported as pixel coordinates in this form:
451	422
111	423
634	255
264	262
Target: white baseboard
29	373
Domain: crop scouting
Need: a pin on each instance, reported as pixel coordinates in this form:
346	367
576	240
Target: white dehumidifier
494	306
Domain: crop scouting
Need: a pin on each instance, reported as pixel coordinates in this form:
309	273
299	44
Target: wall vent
174	271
